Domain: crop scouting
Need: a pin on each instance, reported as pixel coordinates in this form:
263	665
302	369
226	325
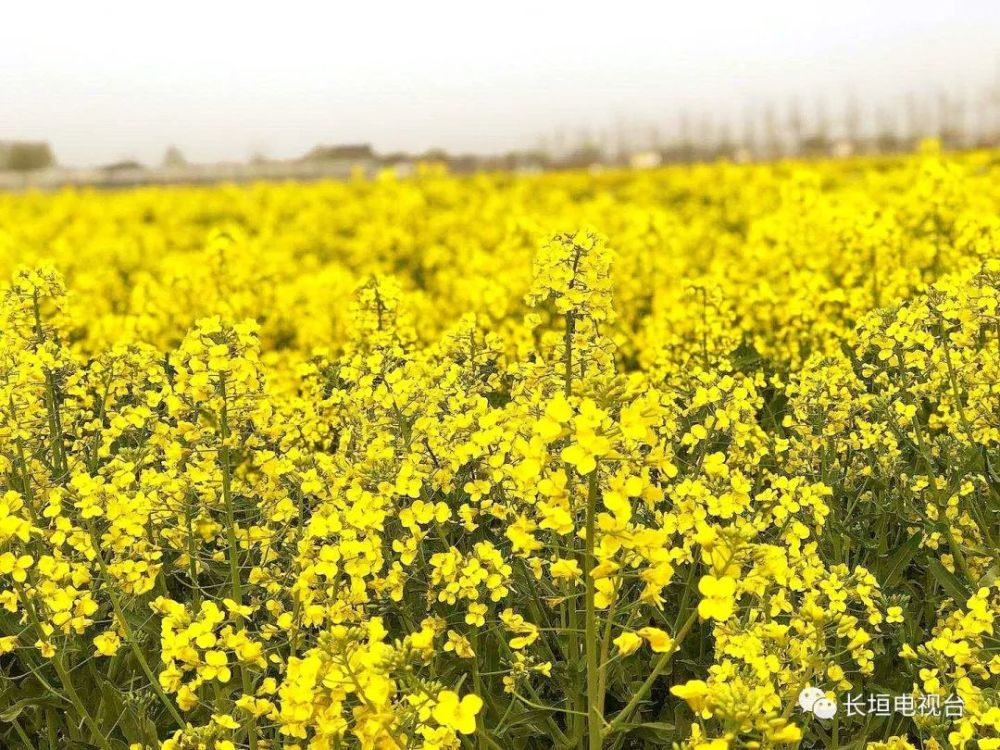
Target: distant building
342	160
645	160
124	172
125	165
25	156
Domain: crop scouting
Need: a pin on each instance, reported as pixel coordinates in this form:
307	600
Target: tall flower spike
572	282
378	316
573	271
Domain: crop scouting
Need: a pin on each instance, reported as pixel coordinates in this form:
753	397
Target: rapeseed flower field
617	460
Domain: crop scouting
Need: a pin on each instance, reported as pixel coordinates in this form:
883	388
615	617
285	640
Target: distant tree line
25	156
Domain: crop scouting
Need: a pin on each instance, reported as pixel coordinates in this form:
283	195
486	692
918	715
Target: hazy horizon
225	80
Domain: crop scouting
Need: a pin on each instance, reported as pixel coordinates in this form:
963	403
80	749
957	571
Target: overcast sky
222	80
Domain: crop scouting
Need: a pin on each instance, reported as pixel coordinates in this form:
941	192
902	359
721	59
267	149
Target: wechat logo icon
814	701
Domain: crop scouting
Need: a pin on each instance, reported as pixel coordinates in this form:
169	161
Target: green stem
568	355
602	681
485	738
643	691
22	735
234	564
953	378
50	729
594	719
576	698
154	683
192	554
64	676
59	464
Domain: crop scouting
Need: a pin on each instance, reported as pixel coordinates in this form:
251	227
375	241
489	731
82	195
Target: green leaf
31	700
990	576
949	582
896	564
660	732
12	712
110	708
533	719
658	727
